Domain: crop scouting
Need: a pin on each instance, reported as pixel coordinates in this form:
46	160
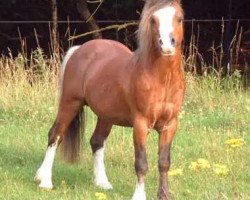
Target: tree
55	43
85	14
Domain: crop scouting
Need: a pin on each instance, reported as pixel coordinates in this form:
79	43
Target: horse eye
153	21
180	19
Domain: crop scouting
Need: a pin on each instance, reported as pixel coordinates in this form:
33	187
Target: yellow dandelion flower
200	164
194	166
175	172
235	142
203	163
63	184
220	170
101	196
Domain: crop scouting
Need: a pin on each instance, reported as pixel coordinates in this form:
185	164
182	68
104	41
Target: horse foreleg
166	135
140	131
100	134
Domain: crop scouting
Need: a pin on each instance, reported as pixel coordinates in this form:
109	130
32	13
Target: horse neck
161	67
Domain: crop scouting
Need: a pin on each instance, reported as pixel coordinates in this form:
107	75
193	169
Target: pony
143	89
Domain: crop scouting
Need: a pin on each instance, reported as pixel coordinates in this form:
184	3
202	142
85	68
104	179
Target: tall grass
216	109
28	85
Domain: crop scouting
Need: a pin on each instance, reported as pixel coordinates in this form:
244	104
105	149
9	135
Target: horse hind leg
67	119
98	138
44	173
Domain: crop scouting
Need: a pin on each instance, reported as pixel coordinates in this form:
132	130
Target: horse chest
159	105
162	112
153	105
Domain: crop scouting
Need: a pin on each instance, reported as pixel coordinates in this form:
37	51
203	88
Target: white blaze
166	17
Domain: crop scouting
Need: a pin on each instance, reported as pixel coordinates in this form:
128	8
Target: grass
216	109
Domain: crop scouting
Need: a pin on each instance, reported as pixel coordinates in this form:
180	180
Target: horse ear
150	1
154	1
178	1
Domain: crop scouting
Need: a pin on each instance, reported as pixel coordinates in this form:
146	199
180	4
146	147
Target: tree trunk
85	14
227	68
54	33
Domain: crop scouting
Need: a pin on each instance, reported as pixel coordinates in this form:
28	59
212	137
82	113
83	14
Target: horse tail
64	64
71	143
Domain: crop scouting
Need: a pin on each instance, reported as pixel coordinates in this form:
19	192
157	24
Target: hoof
163	195
104	185
163	198
139	196
44	180
139	193
45	186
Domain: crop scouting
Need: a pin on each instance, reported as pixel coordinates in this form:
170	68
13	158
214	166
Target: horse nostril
160	42
173	42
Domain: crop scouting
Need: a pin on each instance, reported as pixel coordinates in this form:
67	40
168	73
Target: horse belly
110	106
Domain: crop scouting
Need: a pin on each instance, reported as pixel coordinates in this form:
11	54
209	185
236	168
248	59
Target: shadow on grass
20	165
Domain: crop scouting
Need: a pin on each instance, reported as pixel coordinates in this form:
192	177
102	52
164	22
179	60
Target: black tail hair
72	141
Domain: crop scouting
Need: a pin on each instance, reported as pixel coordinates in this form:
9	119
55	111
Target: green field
215	110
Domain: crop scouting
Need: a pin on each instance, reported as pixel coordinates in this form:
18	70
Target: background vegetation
114	10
